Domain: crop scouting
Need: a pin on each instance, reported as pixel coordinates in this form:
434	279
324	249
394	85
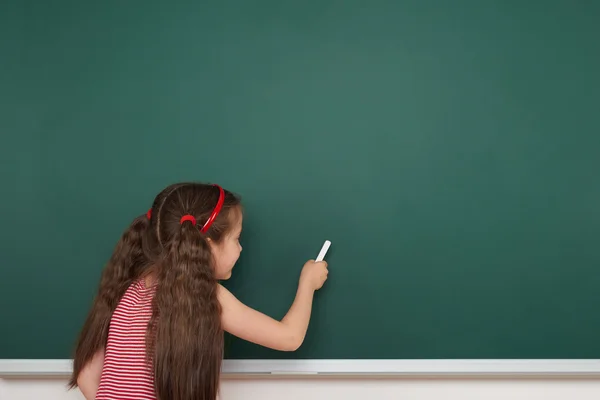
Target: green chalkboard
450	150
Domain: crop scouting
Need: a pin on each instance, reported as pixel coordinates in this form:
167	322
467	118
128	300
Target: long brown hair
184	341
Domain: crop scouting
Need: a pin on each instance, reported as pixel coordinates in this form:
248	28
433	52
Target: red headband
210	219
216	211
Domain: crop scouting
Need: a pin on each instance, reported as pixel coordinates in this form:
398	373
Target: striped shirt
126	374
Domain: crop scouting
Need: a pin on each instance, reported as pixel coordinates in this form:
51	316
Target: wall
366	389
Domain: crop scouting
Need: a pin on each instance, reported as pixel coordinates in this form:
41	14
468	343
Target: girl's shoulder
139	289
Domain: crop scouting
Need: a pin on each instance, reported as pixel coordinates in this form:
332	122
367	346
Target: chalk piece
323	251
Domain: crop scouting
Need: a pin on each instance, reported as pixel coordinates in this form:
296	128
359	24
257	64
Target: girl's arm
285	335
89	378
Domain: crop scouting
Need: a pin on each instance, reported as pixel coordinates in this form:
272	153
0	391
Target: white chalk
323	251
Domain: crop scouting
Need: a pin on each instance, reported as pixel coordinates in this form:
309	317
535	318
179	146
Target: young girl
155	329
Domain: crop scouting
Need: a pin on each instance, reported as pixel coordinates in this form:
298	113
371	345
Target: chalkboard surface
448	149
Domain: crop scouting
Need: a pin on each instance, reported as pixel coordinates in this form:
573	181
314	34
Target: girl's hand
314	274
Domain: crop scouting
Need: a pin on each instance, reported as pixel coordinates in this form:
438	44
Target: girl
155	329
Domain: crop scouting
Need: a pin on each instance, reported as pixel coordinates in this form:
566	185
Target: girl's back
126	373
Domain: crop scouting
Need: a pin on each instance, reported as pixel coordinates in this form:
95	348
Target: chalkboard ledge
340	368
